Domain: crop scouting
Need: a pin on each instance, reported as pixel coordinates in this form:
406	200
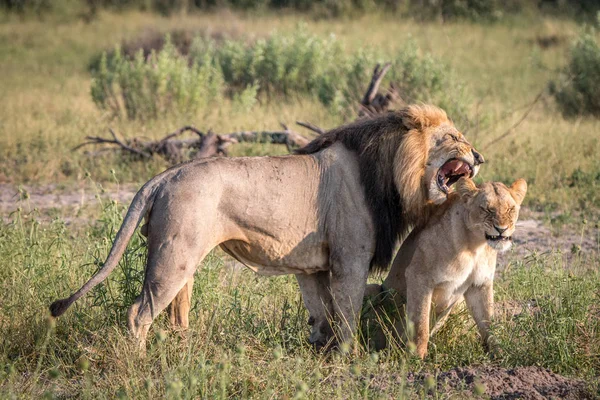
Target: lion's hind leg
169	277
179	309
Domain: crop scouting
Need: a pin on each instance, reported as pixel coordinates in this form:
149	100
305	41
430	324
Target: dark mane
376	141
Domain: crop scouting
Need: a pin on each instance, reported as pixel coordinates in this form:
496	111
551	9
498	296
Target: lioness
454	256
326	214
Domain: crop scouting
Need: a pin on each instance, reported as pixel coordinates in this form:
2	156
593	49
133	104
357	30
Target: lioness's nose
478	157
500	230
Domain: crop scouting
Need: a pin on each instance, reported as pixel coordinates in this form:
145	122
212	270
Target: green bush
165	82
280	67
476	10
423	78
579	93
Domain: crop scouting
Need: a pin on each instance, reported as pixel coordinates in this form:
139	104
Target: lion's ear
466	188
424	116
518	190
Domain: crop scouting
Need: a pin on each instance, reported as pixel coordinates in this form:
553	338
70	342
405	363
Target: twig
100	140
516	124
311	127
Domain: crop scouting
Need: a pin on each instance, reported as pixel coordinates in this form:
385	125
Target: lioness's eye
488	211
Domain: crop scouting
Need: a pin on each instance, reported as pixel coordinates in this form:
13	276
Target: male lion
326	214
453	256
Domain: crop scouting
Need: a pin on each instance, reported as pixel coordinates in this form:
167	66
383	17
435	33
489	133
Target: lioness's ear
466	188
518	190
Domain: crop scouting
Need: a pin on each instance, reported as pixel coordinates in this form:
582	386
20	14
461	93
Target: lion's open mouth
451	172
498	238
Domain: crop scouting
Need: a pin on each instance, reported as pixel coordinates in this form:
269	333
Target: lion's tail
140	204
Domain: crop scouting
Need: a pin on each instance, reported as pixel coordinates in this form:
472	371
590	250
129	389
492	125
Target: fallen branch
175	149
311	127
373	88
374	103
115	140
205	145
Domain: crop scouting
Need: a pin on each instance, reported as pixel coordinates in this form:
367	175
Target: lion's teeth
458	166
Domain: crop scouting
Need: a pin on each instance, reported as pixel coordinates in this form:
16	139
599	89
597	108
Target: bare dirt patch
51	200
532	235
490	381
528	383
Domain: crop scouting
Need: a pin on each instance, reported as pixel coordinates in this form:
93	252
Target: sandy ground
77	205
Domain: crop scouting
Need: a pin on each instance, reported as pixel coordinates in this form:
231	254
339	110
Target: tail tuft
59	307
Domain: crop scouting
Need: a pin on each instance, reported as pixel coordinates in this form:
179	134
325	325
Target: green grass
248	334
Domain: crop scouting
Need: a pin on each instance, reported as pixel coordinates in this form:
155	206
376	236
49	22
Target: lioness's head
448	156
493	210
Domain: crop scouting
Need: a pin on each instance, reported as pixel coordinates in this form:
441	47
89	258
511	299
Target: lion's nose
478	157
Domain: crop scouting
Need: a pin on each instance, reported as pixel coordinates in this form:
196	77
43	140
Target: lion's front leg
348	282
317	299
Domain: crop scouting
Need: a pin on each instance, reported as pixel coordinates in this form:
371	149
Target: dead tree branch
311	127
115	140
176	149
378	75
205	145
373	102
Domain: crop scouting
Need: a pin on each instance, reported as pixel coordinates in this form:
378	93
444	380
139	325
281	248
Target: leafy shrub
580	95
427	79
280	67
284	64
149	87
474	10
26	5
448	9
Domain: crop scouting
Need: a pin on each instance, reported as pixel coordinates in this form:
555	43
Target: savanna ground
248	334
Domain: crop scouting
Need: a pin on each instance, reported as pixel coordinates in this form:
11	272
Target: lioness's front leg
480	301
418	305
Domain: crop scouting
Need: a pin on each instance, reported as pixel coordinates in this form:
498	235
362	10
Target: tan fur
450	258
308	215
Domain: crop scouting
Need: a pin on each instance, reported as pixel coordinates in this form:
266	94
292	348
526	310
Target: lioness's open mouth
498	238
451	172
